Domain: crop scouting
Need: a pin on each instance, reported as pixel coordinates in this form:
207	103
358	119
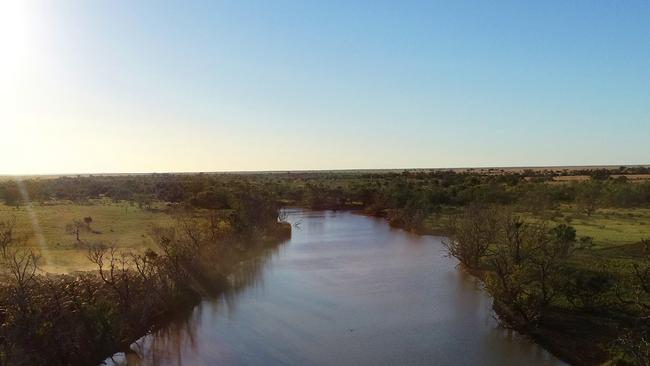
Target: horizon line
342	170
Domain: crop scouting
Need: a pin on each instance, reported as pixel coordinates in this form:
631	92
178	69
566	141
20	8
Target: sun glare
17	56
15	34
14	47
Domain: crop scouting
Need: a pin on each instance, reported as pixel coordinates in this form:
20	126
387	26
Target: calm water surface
345	290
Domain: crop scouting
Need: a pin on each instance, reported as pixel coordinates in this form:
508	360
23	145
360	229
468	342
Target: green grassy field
608	227
616	237
117	224
615	232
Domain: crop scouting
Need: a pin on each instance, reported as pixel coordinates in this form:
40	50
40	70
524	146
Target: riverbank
578	337
210	283
84	317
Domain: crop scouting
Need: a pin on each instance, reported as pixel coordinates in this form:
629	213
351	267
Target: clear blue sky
139	86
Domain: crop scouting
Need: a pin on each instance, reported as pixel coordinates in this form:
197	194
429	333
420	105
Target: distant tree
11	194
144	201
212	199
535	198
600	174
75	228
588	197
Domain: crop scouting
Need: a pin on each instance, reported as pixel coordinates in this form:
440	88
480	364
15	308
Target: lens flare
36	227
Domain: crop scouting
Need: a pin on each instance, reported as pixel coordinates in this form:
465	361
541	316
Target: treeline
595	173
82	318
214	191
408	199
527	268
335	190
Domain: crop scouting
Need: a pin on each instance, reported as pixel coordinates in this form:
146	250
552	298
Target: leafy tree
87	221
589	290
11	194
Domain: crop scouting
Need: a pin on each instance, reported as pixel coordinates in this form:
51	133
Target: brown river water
346	289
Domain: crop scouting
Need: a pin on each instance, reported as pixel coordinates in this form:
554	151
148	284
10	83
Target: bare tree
22	264
113	268
514	232
75	228
21	267
193	229
471	235
549	251
6	235
527	263
510	282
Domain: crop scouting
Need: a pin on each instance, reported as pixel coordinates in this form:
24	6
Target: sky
108	86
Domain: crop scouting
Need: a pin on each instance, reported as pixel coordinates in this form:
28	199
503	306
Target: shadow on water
346	290
177	336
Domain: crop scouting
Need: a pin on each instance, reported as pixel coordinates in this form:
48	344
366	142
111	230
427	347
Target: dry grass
118	224
571	178
633	177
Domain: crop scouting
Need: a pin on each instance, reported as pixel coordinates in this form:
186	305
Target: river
346	289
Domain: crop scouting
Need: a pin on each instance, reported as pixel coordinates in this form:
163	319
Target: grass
609	227
117	224
616	234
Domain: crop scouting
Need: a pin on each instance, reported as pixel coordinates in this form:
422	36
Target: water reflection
345	290
176	341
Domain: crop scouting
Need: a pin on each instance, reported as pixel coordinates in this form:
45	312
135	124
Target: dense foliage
410	196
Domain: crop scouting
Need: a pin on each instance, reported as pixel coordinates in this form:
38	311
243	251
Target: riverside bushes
81	318
528	270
